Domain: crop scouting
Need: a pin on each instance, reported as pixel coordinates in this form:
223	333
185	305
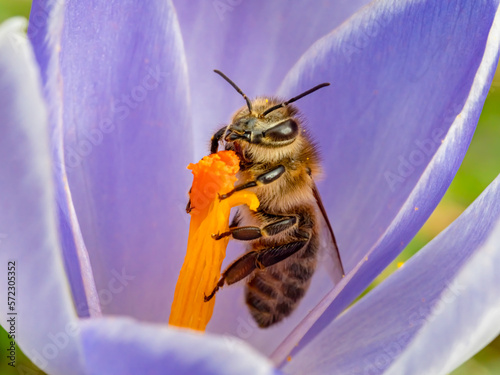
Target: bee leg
241	268
252	233
240	233
236	220
263	179
214	142
188	205
234	223
273	255
217	287
246	264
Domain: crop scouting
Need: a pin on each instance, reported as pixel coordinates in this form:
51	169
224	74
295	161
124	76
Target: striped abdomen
274	292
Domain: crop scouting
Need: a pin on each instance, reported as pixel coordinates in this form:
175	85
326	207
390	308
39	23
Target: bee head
267	122
276	129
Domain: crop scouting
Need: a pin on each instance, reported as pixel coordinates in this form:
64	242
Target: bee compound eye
284	131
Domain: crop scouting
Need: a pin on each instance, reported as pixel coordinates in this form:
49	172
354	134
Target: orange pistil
214	175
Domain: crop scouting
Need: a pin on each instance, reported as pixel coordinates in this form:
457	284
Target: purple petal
123	82
44	320
430	316
405	104
77	263
76	257
254	42
383	107
123	346
39	33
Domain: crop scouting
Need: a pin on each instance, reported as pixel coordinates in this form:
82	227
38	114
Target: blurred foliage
478	170
23	365
11	8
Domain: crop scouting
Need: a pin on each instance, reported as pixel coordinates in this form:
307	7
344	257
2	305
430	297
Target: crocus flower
111	100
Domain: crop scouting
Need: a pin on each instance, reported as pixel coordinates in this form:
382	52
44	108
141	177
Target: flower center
214	175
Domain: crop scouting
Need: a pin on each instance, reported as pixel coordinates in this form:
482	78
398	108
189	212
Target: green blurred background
480	167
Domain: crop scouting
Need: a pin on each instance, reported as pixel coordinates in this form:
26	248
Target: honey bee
278	162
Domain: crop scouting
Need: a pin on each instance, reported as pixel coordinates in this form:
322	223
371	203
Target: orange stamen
214	175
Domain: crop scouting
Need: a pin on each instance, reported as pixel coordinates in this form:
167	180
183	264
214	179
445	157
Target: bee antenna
284	104
249	104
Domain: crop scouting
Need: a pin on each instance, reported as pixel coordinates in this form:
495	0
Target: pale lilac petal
402	89
44	31
401	96
38	32
433	314
123	346
122	99
45	319
254	42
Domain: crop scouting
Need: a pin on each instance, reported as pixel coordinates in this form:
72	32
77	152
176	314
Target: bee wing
329	251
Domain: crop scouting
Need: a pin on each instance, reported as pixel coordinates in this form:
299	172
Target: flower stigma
213	176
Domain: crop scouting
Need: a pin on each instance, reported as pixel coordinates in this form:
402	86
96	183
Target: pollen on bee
214	175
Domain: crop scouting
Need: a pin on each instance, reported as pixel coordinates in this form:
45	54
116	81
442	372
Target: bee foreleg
263	179
252	233
214	142
245	265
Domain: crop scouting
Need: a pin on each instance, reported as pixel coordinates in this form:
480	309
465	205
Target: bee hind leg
245	265
217	287
241	268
